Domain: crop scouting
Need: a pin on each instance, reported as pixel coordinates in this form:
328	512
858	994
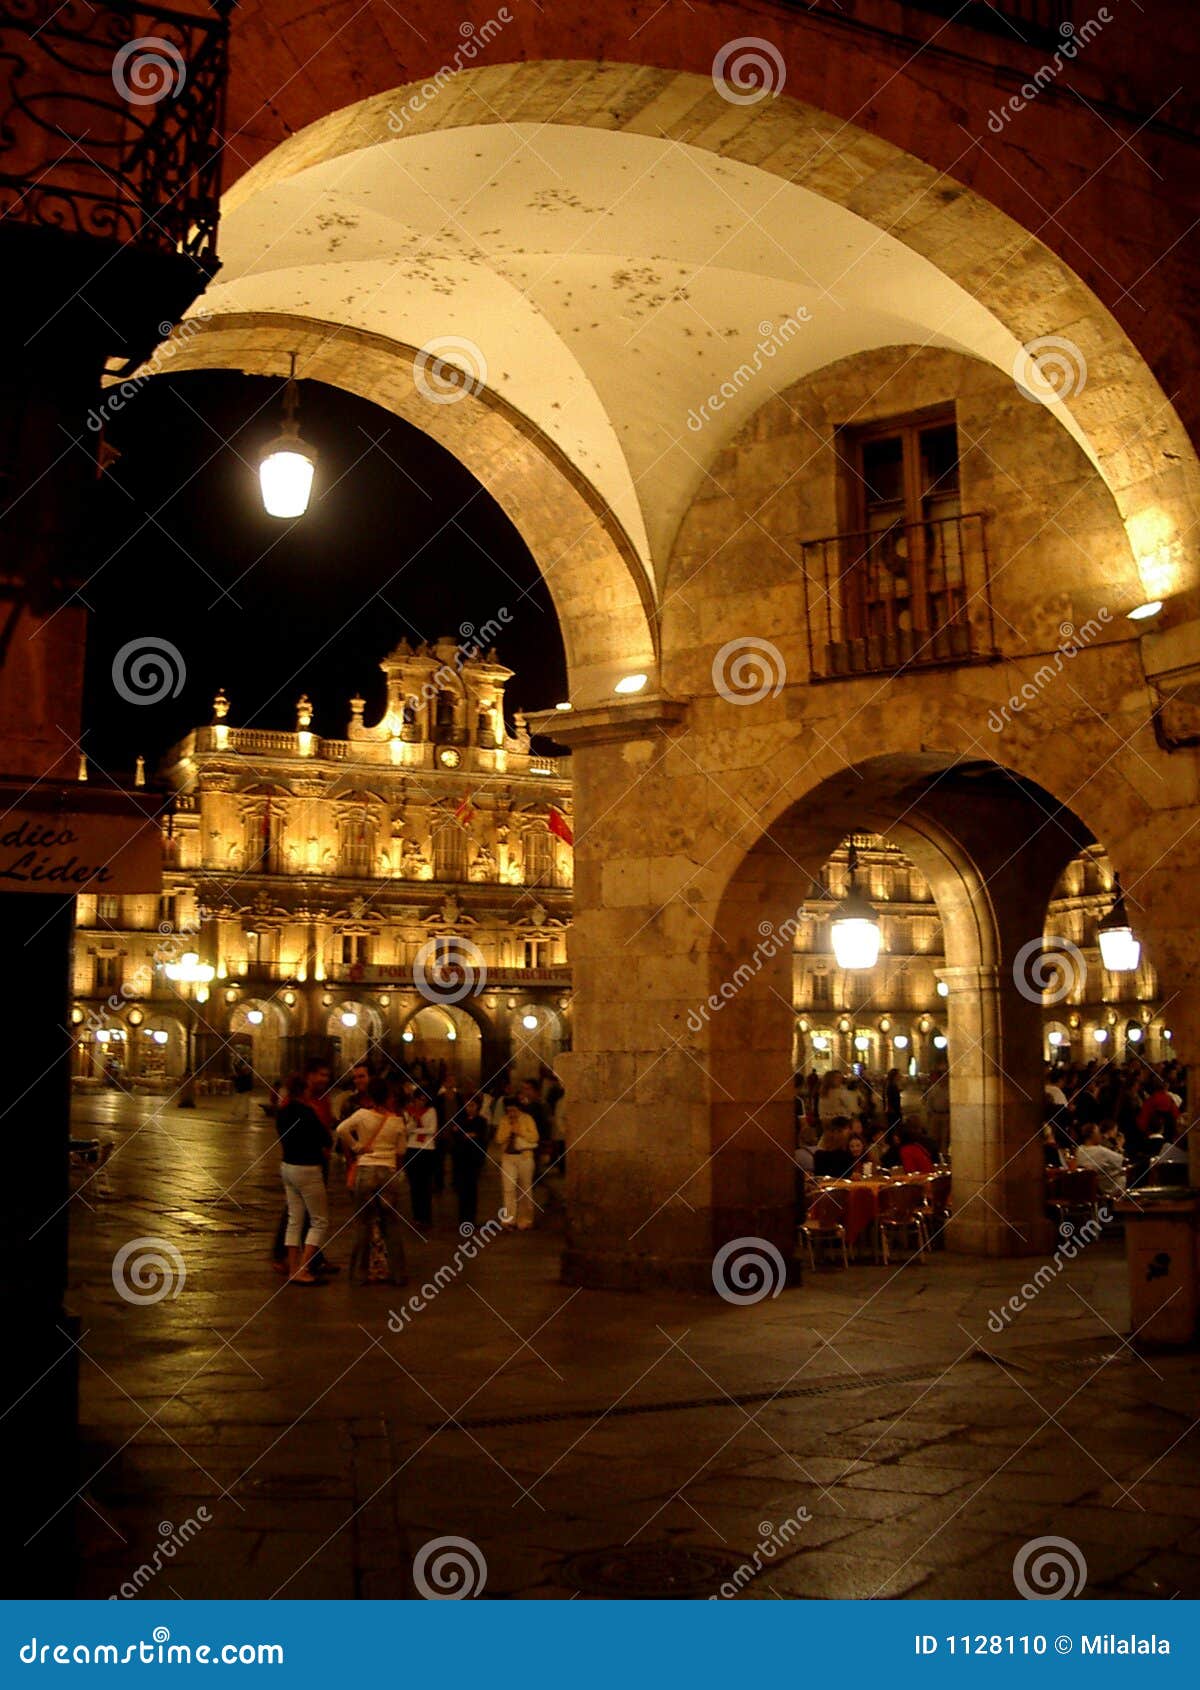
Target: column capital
634	718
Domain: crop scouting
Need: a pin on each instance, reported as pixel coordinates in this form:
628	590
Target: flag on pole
464	814
559	826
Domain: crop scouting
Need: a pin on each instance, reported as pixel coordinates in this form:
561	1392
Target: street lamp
855	926
193	977
1120	952
285	470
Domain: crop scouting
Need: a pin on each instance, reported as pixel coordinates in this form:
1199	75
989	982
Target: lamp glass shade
855	941
1120	952
285	475
349	1019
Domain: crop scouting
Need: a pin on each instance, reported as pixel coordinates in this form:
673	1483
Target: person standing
518	1138
243	1088
356	1097
302	1169
421	1126
317	1078
467	1137
373	1135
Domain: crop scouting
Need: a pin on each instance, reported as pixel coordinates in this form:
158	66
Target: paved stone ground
588	1443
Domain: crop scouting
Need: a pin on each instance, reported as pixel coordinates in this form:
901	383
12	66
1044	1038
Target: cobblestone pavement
245	1438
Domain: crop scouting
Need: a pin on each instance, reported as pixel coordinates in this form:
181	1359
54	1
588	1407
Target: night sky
399	540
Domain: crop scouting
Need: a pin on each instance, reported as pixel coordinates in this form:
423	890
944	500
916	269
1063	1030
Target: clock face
449	758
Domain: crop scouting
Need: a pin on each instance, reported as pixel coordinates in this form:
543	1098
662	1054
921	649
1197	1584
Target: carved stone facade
399	889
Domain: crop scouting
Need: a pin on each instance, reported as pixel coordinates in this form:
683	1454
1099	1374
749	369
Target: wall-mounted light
348	1018
1055	1038
564	704
254	1017
901	1041
631	683
529	1022
943	989
1143	612
939	1041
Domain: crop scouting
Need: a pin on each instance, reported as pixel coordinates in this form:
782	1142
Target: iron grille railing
909	596
110	122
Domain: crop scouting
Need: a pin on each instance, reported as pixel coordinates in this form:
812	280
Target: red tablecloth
860	1201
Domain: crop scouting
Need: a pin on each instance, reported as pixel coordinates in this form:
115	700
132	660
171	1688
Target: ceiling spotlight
1143	612
563	704
254	1017
529	1022
349	1019
631	683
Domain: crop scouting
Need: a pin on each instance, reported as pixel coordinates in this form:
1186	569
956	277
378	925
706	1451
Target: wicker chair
824	1223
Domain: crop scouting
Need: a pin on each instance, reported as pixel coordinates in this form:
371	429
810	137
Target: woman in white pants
518	1137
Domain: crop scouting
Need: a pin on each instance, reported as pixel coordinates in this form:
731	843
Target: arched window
262	849
356	840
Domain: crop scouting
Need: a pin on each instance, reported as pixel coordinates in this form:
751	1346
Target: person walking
317	1077
372	1136
421	1126
467	1136
518	1138
243	1089
302	1169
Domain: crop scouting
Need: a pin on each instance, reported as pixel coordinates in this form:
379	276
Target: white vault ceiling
611	281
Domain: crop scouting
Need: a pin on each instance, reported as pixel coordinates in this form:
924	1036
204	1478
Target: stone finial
83	768
357	705
304	712
139	772
220	706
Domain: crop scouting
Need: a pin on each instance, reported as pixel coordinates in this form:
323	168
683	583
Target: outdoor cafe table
860	1200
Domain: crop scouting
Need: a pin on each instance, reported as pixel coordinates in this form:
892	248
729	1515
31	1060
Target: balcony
911	596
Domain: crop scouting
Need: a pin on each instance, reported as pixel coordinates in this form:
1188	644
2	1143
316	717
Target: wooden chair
824	1222
901	1212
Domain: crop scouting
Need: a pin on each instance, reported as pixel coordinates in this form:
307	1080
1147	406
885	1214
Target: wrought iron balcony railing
910	596
110	122
1035	21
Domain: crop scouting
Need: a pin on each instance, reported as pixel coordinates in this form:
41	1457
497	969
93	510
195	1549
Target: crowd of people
847	1124
1126	1122
396	1129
